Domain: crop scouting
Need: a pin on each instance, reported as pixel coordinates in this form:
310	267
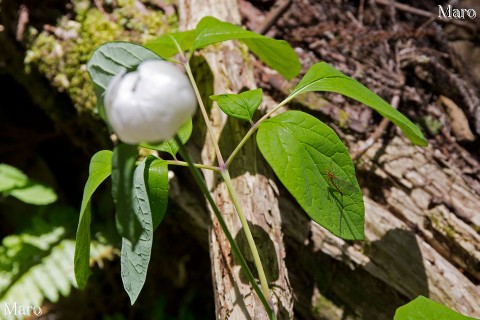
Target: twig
23	18
423	13
273	15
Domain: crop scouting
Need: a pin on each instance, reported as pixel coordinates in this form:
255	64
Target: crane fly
341	186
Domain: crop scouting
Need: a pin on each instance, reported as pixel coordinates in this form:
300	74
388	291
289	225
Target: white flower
150	104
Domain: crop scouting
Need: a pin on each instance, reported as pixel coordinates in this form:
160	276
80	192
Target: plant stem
186	64
248	233
253	129
236	251
221	163
196	165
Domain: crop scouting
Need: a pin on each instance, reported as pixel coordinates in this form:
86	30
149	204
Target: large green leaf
324	77
109	60
277	54
100	169
241	106
15	183
425	309
310	160
156	181
165	47
170	146
135	258
123	168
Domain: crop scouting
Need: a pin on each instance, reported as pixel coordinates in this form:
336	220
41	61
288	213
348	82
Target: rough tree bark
421	240
235	298
421	235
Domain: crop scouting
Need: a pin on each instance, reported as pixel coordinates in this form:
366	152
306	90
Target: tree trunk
235	298
420	241
422	204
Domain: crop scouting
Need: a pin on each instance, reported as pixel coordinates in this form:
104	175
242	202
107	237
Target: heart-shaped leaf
310	160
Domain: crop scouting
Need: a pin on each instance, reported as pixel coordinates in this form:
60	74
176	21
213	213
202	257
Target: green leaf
309	159
242	105
34	193
135	258
100	169
324	77
277	54
425	309
109	60
156	181
11	177
170	146
35	266
165	47
15	183
123	167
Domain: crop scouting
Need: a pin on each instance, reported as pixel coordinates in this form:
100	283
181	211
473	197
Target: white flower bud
150	104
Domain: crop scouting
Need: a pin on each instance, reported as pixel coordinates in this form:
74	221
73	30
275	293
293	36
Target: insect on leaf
302	150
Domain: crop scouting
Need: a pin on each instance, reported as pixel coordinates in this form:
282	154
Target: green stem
186	64
248	233
221	163
253	129
196	165
236	251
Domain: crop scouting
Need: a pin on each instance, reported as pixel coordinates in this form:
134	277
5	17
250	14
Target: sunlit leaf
324	77
277	54
241	106
304	153
425	309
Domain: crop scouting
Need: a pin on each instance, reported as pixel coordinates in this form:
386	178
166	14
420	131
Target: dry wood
420	240
235	298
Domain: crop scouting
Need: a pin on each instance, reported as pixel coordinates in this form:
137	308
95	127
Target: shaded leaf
304	152
241	106
277	54
136	257
324	77
425	309
100	169
123	167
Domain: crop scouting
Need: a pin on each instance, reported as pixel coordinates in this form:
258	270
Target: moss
61	52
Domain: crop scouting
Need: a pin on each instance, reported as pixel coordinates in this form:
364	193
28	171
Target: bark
234	296
422	217
421	238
